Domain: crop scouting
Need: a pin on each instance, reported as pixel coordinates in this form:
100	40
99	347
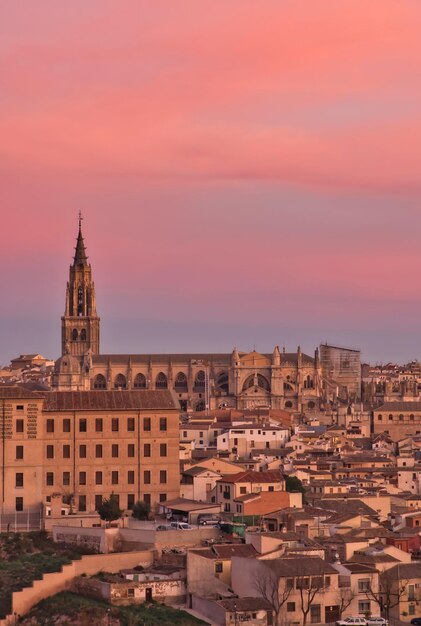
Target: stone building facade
86	446
243	380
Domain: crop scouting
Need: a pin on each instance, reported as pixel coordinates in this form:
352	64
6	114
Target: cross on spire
80	251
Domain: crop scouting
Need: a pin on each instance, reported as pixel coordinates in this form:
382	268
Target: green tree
141	510
109	509
292	483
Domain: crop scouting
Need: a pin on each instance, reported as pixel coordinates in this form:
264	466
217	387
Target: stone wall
50	584
101	540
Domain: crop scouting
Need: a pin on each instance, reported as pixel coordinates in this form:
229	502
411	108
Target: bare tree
345	597
308	587
274	588
391	590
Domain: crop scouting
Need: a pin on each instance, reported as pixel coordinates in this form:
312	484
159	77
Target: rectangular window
146	449
98	425
147	477
315	614
49	479
163	477
130	500
364	606
98	478
130	449
50	452
98	501
50	426
290	583
82	504
130	477
114	424
147	424
411	589
114	450
66	425
19	407
66	479
271	488
243	490
130	424
162	497
19	452
19	504
162	449
98	451
147	498
162	424
66	451
363	585
82	451
82	425
82	478
219	567
19	426
291	607
114	477
19	479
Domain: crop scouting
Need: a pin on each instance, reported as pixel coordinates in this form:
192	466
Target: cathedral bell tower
80	323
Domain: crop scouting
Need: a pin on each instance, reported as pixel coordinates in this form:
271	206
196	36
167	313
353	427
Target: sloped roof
249	476
103	400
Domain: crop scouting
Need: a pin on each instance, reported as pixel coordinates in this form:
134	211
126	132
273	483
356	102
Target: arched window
249	382
74	334
200	406
180	382
139	382
200	381
222	382
100	382
161	381
308	383
120	382
83	334
263	382
288	387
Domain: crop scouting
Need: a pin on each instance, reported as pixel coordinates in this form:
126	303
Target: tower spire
80	323
81	258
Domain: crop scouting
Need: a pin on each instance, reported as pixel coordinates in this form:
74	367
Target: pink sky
250	172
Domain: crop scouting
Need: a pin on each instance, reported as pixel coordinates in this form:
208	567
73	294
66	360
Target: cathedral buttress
80	323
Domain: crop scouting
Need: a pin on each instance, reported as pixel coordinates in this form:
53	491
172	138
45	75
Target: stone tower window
83	334
80	301
74	334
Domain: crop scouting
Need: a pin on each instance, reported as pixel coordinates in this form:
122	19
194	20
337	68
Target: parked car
209	521
352	621
416	621
377	621
161	527
180	526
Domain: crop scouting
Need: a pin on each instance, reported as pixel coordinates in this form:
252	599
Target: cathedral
243	380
